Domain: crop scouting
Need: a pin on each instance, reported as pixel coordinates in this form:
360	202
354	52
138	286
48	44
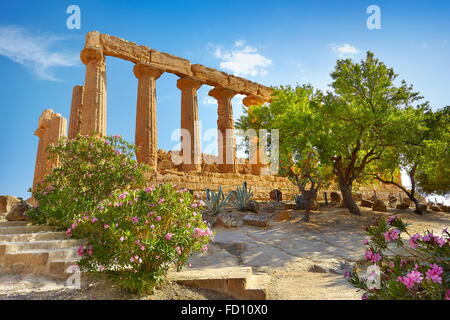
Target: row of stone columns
88	113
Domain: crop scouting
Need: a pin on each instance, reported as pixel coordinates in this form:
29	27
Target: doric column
253	100
75	111
146	138
51	128
189	121
225	126
93	111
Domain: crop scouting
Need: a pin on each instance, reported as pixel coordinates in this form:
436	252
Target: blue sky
271	42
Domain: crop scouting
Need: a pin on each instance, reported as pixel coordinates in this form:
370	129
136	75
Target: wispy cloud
344	50
33	51
243	60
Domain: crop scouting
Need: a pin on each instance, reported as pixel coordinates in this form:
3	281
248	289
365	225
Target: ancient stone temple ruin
88	117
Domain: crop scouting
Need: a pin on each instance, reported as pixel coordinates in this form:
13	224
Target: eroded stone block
209	76
171	63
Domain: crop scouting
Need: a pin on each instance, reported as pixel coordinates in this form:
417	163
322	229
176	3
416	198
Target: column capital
188	83
253	100
220	92
88	54
142	70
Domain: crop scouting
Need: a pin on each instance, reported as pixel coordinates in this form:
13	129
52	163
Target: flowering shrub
89	170
137	235
419	269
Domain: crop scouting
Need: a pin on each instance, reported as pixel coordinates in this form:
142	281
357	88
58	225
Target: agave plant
241	197
215	201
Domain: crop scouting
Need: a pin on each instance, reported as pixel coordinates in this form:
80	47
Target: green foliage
215	201
137	235
89	170
433	176
240	197
419	270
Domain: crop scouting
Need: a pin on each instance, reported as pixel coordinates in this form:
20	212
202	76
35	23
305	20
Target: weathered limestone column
225	126
51	128
253	100
93	111
189	122
146	138
75	111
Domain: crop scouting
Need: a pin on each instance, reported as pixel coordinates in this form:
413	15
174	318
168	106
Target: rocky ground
304	260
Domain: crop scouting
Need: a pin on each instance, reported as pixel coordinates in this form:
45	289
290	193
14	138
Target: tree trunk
417	204
308	196
350	204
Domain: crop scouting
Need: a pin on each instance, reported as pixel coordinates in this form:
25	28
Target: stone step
12	247
53	254
39	236
238	282
6	223
25	229
256	287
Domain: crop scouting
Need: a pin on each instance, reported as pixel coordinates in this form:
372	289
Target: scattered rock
366	203
379	205
226	220
276	195
282	216
314	205
357	196
402	206
271	207
258	221
17	213
289	206
6	203
253	206
435	208
445	208
335	197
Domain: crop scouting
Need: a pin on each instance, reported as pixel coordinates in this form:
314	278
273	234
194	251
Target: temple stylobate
88	108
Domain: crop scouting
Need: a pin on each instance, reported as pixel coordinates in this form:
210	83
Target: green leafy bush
137	235
215	201
240	197
89	170
419	270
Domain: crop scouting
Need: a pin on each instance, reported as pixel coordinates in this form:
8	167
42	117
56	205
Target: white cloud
33	51
344	50
244	60
209	101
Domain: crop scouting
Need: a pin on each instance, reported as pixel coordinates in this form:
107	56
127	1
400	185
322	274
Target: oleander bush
419	269
90	169
135	236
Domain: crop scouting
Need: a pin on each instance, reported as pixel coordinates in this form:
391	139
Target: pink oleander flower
157	257
106	226
178	250
439	241
447	295
122	239
152	227
117	136
391	235
366	241
411	278
169	236
101	268
94	220
161	200
135	219
434	273
188	225
365	296
347	274
142	248
148	189
413	240
150	213
80	251
137	242
372	256
90	251
69	231
122	196
204	248
181	199
158	218
391	219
